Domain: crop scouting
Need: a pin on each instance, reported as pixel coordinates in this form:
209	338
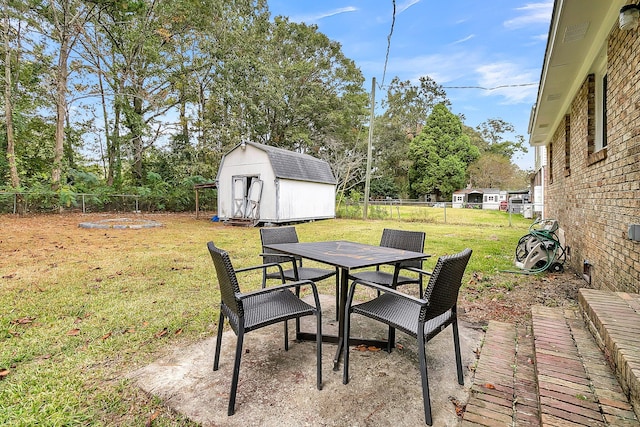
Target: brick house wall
595	194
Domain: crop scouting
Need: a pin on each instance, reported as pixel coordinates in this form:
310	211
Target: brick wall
597	198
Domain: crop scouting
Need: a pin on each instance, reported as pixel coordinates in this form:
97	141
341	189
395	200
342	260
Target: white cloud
531	13
405	5
509	81
469	37
322	15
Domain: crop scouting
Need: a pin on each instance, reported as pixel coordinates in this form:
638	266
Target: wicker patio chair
253	310
398	239
297	271
420	318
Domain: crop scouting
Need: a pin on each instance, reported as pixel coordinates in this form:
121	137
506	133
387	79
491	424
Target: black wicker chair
297	271
253	310
398	239
420	318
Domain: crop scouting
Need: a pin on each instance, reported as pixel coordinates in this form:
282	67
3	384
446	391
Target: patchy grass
82	307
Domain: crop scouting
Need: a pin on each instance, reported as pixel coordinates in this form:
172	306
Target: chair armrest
292	258
385	289
418	270
244	295
256	267
264	268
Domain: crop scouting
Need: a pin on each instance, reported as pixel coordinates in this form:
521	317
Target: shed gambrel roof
291	165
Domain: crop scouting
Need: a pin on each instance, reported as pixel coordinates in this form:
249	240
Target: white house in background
486	198
258	184
492	197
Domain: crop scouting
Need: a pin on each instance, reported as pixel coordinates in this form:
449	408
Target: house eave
577	33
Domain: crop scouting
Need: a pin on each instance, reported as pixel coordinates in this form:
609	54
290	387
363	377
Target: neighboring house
259	184
492	197
465	197
485	198
587	115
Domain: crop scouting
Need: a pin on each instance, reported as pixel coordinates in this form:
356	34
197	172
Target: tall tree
66	19
25	98
407	106
495	167
493	131
7	31
441	154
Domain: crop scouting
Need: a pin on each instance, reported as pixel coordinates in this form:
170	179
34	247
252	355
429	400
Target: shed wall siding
598	198
299	200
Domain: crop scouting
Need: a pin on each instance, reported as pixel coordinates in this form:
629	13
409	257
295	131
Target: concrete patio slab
278	388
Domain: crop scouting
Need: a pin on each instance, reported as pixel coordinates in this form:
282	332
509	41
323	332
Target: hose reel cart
540	249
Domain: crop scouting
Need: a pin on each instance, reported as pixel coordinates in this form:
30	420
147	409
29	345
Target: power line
490	88
386	59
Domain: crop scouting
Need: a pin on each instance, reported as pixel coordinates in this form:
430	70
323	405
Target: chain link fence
37	202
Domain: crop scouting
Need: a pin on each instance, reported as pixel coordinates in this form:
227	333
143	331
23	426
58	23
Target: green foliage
383	187
169	87
441	154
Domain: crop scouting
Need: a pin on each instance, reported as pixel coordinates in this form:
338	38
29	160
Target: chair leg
425	380
456	345
216	358
345	347
319	348
391	339
236	373
286	335
297	318
337	295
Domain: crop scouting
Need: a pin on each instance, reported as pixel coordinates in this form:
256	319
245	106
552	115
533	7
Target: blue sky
488	44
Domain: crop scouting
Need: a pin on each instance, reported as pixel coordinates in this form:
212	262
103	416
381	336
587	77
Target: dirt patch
508	297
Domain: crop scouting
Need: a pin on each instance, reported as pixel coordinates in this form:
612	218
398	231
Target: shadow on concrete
278	388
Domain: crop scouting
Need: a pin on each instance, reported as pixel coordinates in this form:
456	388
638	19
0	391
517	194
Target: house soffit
578	31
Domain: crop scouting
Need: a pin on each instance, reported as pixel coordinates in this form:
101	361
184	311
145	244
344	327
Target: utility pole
367	181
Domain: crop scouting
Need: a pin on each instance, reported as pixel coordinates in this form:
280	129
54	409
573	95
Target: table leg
344	284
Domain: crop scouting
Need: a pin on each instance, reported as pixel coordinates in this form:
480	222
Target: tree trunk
8	106
61	111
137	142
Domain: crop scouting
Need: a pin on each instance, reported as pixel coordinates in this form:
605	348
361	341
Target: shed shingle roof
291	165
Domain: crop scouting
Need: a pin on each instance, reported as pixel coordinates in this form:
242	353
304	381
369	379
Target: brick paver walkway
614	319
560	378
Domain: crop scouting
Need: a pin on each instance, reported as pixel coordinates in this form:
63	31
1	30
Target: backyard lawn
82	307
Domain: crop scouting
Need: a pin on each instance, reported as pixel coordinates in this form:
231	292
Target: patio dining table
346	256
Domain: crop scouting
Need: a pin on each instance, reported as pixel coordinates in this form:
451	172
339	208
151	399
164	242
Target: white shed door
253	200
247	191
239	196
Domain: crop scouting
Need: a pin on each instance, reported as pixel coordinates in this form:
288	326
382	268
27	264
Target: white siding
299	200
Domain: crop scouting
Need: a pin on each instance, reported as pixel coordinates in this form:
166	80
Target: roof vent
576	32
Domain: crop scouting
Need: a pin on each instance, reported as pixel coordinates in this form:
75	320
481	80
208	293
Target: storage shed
258	184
